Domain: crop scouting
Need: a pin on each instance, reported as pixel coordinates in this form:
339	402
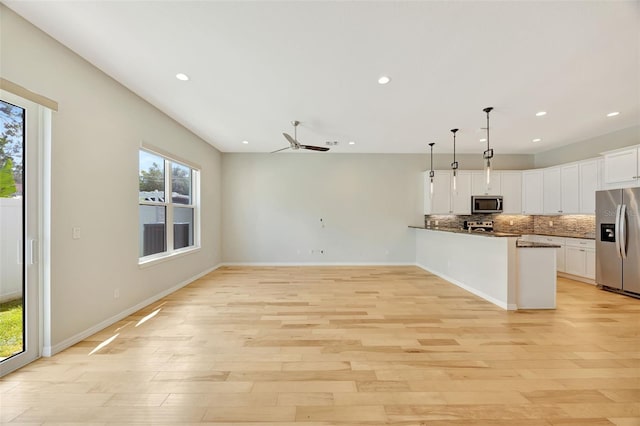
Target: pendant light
431	172
488	154
454	165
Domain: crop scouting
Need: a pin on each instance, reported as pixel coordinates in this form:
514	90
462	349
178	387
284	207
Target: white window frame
169	206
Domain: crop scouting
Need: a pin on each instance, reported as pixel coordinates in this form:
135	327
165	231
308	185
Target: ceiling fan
294	144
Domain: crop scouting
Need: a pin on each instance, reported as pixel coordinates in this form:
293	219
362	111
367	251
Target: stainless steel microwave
486	204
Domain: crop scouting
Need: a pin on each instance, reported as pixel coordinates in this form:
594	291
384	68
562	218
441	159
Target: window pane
181	184
182	227
12	231
152	230
151	177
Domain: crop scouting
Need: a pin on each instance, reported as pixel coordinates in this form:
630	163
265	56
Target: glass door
19	229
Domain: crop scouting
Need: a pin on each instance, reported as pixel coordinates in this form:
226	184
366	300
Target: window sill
146	263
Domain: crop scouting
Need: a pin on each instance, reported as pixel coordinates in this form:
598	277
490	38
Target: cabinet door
532	192
576	261
590	258
479	183
552	191
588	186
511	183
570	189
440	201
461	197
621	168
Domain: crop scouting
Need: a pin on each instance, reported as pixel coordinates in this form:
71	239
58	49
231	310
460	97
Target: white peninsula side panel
485	266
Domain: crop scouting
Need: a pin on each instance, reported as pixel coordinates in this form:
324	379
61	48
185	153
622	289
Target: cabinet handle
559	211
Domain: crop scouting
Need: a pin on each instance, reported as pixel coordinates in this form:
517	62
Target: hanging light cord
489	152
454	165
431	169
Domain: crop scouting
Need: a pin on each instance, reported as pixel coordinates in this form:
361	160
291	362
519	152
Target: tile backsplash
577	226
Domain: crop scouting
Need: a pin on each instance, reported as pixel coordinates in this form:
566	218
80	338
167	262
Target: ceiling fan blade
315	148
292	141
281	149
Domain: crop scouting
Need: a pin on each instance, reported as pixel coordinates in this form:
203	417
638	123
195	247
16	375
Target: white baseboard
318	264
503	305
48	351
576	278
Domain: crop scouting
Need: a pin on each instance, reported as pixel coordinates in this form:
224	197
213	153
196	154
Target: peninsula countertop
466	231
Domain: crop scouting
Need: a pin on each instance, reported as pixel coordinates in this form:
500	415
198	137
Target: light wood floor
345	345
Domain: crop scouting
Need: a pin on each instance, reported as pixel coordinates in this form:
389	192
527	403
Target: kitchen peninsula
496	266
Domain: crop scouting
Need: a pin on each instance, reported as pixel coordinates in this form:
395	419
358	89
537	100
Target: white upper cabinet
440	201
552	191
588	186
511	183
479	183
570	189
461	197
532	192
621	168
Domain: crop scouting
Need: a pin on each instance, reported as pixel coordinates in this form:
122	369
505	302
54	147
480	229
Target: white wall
95	139
589	148
273	203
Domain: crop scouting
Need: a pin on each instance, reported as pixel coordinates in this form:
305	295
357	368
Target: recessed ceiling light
245	142
384	79
541	113
613	114
182	77
536	140
483	140
352	143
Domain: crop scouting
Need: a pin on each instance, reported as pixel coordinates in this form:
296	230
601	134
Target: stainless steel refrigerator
618	240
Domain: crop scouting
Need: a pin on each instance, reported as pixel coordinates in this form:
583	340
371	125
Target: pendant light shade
488	154
454	165
431	172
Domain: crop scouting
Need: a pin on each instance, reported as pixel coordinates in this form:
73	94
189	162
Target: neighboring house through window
168	206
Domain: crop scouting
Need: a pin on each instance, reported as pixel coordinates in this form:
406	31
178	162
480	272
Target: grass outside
10	328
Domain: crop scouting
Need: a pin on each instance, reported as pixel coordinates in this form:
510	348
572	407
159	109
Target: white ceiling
255	66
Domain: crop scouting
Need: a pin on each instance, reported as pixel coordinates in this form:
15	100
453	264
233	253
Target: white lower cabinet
576	256
580	257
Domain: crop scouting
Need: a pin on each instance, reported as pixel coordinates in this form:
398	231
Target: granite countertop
531	244
583	236
465	231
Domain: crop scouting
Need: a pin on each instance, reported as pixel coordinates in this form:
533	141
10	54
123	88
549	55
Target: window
158	177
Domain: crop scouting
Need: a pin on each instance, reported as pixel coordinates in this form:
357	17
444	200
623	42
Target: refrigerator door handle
617	236
623	231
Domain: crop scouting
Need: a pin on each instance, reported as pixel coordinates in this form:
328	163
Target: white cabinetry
461	197
511	183
532	192
564	187
440	201
444	200
479	183
588	186
552	191
621	168
570	189
580	257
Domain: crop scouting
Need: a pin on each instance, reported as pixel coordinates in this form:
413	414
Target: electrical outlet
511	222
437	221
116	293
551	223
75	233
